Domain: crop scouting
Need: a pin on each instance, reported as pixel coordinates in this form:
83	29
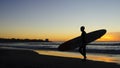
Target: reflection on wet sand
77	55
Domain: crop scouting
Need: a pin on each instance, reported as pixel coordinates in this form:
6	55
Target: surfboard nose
60	48
63	48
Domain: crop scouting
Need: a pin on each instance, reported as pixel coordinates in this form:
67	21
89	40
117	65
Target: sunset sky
58	20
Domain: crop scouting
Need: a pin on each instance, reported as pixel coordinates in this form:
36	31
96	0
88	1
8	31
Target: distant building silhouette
4	40
46	40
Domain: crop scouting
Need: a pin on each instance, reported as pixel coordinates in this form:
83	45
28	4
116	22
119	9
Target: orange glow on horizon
111	36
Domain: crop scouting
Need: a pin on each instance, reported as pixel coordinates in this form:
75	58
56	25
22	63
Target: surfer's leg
84	52
80	50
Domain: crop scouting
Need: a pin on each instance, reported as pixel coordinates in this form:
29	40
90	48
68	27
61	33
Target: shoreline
90	56
15	58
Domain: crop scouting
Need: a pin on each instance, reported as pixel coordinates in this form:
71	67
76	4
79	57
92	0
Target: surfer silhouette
82	48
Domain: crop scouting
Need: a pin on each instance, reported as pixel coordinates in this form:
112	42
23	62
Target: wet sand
16	58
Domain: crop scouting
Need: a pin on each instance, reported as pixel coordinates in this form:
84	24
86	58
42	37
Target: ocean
95	50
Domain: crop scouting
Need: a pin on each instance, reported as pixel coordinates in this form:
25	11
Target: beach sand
16	58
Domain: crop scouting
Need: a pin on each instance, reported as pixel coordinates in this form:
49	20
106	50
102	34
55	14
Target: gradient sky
58	20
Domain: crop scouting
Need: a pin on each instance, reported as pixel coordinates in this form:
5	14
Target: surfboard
76	42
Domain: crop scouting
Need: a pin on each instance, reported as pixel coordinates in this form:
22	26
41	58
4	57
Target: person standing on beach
82	48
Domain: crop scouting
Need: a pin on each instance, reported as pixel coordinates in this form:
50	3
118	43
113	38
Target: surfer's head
82	28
